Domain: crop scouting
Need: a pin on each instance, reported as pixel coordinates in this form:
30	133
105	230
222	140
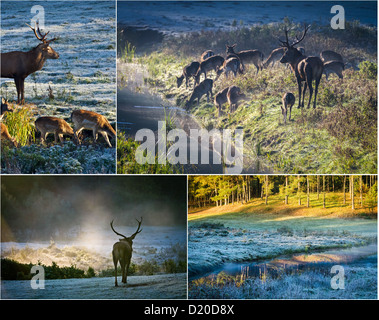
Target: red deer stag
122	252
305	68
90	120
248	56
18	65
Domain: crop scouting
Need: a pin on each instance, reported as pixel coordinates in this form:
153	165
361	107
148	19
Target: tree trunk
352	192
286	191
266	201
323	189
344	190
361	189
298	189
318	189
307	191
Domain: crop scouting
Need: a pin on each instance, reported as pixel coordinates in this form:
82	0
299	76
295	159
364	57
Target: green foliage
12	270
20	125
128	52
368	69
127	164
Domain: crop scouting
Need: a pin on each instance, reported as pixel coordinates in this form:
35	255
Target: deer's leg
105	135
123	268
304	90
17	83
316	90
22	81
299	87
310	94
115	270
289	118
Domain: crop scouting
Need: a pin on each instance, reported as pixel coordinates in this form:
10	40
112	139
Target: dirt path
168	286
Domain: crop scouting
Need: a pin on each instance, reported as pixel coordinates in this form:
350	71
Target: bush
368	69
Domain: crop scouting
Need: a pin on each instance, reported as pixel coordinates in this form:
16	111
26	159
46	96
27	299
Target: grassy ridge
340	136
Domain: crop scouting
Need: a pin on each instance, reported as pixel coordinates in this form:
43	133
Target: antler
39	35
116	231
285	43
302	37
138	229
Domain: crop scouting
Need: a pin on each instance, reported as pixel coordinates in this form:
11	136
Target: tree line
206	191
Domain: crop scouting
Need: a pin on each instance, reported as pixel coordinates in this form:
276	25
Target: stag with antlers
122	252
18	65
305	68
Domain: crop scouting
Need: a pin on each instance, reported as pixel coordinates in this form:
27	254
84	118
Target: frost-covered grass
360	283
256	232
57	159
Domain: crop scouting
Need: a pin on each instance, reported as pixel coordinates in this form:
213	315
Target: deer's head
131	238
291	53
44	47
230	49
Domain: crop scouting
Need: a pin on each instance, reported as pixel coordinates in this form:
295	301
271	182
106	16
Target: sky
36	206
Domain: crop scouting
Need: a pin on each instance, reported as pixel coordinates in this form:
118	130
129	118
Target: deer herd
305	68
18	65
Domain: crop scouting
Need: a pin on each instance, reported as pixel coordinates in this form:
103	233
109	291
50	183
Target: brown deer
122	252
189	71
234	95
54	125
334	67
230	65
306	69
5	134
209	64
221	98
205	87
329	55
248	56
288	100
90	120
18	65
5	107
206	55
276	55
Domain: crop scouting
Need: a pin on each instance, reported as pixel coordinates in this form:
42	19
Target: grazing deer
18	65
5	134
209	64
188	72
221	98
205	87
248	56
90	120
54	125
334	67
274	57
5	107
122	252
288	100
230	65
329	55
234	95
206	55
306	69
